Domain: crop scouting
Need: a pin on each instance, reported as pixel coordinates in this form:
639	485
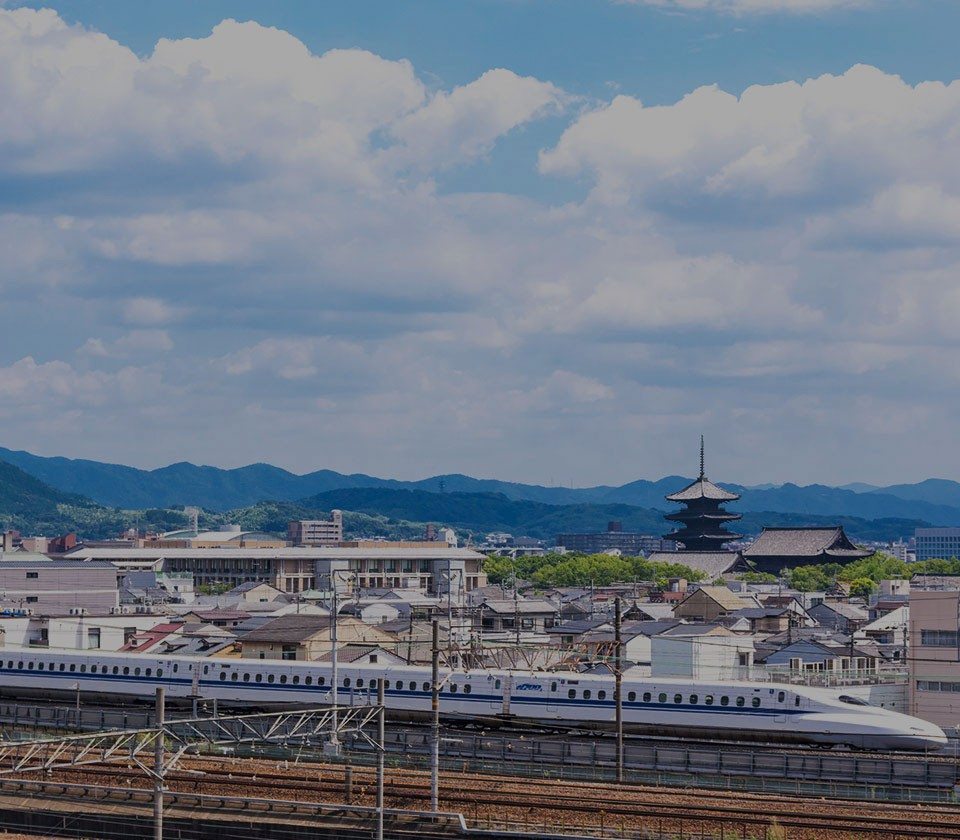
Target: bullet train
738	711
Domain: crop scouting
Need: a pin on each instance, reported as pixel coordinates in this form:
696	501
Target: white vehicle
737	711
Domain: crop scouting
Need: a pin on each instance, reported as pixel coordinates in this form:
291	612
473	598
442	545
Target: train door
552	697
507	689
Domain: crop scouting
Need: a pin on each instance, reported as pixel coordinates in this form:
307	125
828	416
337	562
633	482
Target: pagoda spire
702	474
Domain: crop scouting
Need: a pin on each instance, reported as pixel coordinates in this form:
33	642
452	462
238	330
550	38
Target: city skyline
545	242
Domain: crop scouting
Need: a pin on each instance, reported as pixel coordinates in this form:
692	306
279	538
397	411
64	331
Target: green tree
862	587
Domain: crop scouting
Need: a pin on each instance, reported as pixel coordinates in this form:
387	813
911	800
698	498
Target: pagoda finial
702	476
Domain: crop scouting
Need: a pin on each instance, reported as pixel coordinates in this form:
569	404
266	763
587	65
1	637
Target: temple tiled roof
712	563
804	542
702	488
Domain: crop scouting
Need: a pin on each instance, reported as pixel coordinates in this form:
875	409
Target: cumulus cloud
232	226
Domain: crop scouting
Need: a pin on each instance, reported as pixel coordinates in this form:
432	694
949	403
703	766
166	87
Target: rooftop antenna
702	476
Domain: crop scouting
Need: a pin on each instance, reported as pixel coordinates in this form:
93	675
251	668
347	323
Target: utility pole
435	725
158	756
334	745
618	683
381	749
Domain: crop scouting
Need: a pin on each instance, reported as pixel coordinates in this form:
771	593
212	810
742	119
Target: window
346	682
159	672
426	686
571	693
724	701
234	676
126	671
553	686
270	678
360	683
601	695
708	699
631	696
755	702
283	678
586	694
31	599
678	698
413	685
453	688
693	699
466	689
662	698
223	677
32	575
206	669
938	638
496	684
136	672
781	696
646	697
149	671
741	701
73	667
39	666
116	669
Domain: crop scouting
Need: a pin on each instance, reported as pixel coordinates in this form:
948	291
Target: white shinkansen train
725	710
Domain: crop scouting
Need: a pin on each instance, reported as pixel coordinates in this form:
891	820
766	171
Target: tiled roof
809	542
289	628
724	597
702	488
712	563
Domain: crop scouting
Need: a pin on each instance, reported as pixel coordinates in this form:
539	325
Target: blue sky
539	241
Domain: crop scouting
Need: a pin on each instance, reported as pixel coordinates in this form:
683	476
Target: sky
546	241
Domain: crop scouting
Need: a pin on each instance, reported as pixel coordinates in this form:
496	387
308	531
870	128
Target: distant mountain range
935	501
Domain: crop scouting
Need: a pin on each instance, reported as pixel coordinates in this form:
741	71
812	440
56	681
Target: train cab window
781	696
708	699
571	693
846	698
223	676
234	676
724	701
601	695
677	698
270	678
631	696
646	697
662	698
466	689
693	699
740	701
586	694
283	679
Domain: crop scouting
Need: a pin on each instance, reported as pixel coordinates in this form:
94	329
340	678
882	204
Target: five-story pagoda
702	519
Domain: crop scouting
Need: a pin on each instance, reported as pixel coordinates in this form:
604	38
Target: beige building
316	531
708	603
308	637
934	656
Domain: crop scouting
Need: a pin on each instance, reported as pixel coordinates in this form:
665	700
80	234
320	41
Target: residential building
708	603
307	637
59	587
934	656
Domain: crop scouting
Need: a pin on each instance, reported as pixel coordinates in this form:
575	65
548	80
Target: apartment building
934	656
313	532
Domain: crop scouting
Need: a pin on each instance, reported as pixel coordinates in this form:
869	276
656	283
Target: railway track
552	805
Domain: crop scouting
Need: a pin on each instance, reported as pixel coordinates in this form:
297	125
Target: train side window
83	669
413	685
781	696
724	701
755	702
259	677
296	679
175	667
453	688
601	695
586	694
426	686
646	697
206	669
678	698
571	693
796	700
662	698
360	683
63	667
496	684
116	669
93	668
740	701
126	670
149	671
234	676
159	672
73	667
553	686
246	678
708	699
39	666
631	696
346	682
136	672
223	676
283	678
270	678
466	689
693	699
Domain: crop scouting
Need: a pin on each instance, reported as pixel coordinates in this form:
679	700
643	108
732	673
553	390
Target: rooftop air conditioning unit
78	610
